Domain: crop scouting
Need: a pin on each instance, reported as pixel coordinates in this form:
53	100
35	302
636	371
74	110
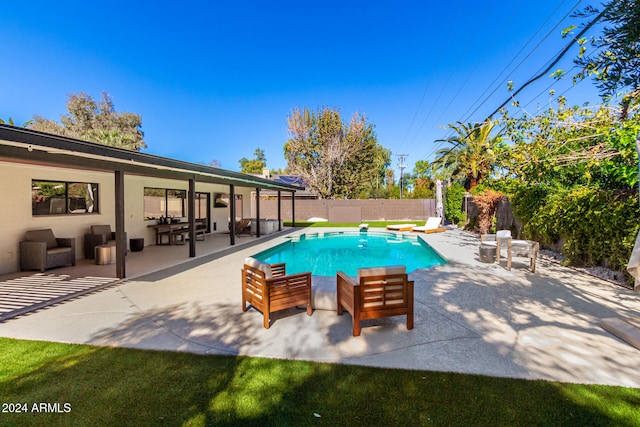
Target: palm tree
12	123
474	154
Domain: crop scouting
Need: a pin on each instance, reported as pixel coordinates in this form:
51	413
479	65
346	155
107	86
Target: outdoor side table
488	253
112	247
102	254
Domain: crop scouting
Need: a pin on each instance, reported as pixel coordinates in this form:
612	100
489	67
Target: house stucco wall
16	212
15	209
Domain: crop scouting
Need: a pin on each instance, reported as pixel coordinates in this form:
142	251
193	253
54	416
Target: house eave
32	146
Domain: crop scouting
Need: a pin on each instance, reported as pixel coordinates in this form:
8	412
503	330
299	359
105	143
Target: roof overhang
29	146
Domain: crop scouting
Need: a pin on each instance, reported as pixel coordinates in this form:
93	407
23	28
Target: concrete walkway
469	317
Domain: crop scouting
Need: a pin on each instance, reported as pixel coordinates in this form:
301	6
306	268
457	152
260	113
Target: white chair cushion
262	266
502	234
432	222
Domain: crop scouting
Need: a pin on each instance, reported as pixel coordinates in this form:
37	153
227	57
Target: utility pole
401	166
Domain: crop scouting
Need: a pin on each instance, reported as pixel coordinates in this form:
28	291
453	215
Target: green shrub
453	203
598	227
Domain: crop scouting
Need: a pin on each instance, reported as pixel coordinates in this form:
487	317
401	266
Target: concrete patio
469	317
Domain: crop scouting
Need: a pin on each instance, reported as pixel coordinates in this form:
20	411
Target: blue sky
215	80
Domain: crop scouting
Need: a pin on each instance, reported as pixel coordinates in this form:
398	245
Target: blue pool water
326	253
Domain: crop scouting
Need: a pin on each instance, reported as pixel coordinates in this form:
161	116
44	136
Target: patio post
232	214
293	208
191	208
279	211
121	245
257	212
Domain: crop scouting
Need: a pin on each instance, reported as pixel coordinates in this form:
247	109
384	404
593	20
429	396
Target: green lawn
114	386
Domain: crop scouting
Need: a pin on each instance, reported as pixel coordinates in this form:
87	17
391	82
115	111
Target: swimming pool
326	253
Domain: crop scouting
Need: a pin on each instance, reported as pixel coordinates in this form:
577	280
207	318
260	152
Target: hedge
597	227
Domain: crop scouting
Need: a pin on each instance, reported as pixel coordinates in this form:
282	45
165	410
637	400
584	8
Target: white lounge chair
401	227
431	226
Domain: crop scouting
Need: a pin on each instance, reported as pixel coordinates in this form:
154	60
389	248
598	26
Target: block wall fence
350	210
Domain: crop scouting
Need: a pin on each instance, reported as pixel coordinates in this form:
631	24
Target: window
160	202
202	205
61	198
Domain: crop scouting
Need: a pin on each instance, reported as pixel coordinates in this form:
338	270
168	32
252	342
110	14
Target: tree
453	204
615	59
12	123
422	169
380	162
421	180
96	122
474	154
254	165
334	158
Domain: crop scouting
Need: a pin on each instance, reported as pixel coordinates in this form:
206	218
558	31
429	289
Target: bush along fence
590	227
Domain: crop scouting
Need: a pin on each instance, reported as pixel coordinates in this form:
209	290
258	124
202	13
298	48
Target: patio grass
116	386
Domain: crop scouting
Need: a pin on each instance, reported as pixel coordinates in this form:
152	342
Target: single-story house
68	185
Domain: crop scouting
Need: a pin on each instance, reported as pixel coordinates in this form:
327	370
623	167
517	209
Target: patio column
191	208
232	214
257	212
293	208
279	211
121	244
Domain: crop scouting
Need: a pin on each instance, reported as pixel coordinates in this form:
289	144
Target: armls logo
46	407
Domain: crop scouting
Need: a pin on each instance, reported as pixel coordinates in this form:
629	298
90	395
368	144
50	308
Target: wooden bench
180	236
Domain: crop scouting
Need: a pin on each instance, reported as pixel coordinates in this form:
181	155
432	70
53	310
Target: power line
549	33
546	69
467	115
556	60
442	90
437	63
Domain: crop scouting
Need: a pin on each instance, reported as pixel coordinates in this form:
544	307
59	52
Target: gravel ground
601	272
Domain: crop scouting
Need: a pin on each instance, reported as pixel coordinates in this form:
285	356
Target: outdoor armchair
376	292
268	288
41	250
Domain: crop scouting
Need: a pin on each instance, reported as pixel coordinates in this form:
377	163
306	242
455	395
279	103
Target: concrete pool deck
470	317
